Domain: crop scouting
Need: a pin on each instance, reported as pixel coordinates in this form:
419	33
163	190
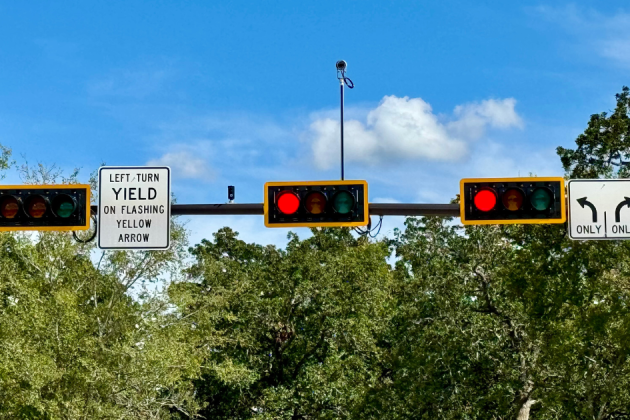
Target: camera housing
341	65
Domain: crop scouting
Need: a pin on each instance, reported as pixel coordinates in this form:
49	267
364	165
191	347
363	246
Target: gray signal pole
342	65
341	87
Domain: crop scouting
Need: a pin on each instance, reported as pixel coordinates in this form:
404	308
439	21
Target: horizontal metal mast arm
217	209
404	209
379	209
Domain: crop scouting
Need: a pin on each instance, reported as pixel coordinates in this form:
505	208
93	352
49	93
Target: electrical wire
345	79
379	225
369	230
91	238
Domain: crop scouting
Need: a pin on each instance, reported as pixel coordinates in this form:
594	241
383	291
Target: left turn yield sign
599	208
134	208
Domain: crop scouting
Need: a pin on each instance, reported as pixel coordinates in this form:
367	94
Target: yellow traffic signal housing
44	207
316	204
498	201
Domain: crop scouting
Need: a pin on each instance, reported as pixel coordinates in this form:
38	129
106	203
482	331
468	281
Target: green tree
508	322
603	150
287	333
597	369
74	344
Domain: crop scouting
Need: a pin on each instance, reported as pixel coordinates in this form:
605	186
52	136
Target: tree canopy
440	321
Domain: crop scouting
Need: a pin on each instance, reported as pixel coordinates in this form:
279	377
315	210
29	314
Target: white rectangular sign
134	208
599	208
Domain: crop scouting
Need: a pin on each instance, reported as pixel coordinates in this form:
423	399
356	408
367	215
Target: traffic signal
44	207
498	201
316	203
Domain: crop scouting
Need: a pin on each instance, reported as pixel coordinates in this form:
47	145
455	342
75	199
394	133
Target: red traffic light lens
287	202
513	199
485	200
36	206
9	207
315	203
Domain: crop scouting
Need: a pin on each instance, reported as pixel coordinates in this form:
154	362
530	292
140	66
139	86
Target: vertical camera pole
343	80
341	87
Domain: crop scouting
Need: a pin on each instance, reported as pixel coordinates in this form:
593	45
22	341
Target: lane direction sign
598	208
134	209
584	202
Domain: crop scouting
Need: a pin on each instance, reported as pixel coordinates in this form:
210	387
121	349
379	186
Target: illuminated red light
287	202
485	200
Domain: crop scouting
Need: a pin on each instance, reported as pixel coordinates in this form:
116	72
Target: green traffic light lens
541	199
63	206
343	202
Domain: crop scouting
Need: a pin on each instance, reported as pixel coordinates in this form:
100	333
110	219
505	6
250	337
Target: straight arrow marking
625	202
583	202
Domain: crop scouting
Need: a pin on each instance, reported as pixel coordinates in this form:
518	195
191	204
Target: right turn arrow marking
583	202
625	202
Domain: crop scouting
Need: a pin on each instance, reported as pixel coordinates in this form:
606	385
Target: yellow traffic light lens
343	202
36	206
9	207
63	206
315	202
541	199
513	199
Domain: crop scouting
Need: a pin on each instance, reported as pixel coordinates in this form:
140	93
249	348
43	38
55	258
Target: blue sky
243	92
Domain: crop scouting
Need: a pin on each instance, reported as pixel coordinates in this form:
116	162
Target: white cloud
473	118
136	82
605	35
384	200
407	129
618	49
184	165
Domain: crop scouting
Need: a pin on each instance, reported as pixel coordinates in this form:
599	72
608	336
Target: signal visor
316	204
498	201
44	207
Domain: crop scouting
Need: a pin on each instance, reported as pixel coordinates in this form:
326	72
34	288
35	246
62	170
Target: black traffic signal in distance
316	204
485	201
231	193
44	207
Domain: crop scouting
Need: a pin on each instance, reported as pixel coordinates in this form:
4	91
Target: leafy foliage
74	344
482	322
287	334
604	148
